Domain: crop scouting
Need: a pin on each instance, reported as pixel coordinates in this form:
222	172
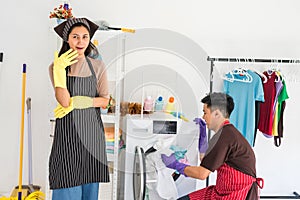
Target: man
229	153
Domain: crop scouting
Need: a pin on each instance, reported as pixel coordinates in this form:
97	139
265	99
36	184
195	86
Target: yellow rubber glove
76	102
59	67
82	102
60	111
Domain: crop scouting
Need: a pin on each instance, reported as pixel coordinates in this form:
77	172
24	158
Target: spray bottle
159	104
148	104
170	106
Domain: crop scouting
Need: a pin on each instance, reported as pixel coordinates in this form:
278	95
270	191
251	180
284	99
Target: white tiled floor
105	190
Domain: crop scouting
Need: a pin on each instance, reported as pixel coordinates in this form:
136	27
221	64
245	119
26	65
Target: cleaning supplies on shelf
170	106
159	104
148	104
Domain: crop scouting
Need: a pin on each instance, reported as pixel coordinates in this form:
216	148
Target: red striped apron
231	185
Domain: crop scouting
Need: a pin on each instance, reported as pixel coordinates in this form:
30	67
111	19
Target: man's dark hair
221	101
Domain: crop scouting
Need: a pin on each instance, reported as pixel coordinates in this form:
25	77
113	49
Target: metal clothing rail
253	60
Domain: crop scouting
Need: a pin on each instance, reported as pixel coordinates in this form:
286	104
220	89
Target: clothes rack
255	60
249	60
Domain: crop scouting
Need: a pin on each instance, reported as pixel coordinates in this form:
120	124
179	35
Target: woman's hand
59	67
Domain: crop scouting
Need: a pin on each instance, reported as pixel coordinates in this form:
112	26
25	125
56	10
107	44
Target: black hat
63	29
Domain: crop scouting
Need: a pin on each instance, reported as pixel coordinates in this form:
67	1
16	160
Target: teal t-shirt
245	88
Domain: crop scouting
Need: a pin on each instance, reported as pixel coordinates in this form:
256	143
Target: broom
103	25
22	132
31	187
26	193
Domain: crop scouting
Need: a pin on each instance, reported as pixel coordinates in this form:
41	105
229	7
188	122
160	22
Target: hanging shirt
281	98
244	94
281	106
266	109
278	86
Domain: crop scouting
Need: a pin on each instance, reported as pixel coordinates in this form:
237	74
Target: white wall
260	29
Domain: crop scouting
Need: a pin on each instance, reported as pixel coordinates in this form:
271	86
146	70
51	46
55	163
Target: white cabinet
111	48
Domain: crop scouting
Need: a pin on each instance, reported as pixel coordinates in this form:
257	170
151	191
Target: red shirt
265	123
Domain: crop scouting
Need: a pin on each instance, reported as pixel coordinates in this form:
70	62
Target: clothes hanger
280	76
262	75
273	69
270	70
276	70
240	70
238	74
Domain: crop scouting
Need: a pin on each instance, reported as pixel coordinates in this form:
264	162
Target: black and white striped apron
78	154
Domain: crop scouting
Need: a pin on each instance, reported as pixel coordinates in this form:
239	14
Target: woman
78	159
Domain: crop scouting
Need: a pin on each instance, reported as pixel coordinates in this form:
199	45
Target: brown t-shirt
81	69
229	146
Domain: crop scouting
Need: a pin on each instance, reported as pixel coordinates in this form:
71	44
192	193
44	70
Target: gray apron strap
91	67
92	71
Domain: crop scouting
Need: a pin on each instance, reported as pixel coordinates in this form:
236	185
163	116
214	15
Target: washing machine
143	134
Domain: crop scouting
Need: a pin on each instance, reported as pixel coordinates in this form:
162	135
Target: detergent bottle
148	104
159	104
170	106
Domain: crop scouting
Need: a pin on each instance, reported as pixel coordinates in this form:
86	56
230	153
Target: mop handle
29	135
22	132
122	29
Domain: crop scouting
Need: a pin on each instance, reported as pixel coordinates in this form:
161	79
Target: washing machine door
139	174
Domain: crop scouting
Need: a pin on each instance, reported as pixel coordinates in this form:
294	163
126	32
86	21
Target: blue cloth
178	152
81	192
244	95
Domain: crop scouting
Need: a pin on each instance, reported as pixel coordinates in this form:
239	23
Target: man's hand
171	162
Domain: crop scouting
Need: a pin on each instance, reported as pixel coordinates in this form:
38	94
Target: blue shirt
245	88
